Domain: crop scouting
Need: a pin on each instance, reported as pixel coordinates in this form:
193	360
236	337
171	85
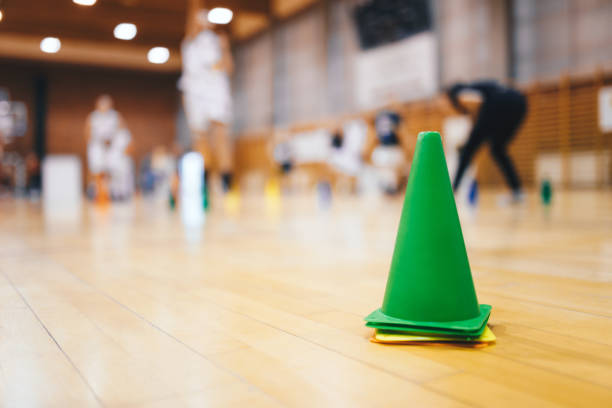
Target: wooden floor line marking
370	365
80	374
171	336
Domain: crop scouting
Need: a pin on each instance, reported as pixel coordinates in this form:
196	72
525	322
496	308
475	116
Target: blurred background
199	201
310	79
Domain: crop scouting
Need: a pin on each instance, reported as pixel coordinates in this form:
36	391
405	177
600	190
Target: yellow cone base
393	337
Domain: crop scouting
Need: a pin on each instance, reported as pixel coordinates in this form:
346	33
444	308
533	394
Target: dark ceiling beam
55	11
164	5
255	6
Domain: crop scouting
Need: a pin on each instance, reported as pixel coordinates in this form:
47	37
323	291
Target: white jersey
200	55
104	125
206	90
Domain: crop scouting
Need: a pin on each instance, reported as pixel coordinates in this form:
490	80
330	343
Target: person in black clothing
499	117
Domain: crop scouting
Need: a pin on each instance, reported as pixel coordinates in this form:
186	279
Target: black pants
497	123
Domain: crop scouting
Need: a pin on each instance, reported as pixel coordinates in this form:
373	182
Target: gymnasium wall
276	81
311	73
475	39
472	40
147	101
553	36
307	67
253	87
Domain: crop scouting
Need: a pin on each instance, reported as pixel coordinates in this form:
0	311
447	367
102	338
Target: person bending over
500	115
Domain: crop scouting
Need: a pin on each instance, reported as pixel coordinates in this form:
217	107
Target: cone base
427	330
392	337
469	325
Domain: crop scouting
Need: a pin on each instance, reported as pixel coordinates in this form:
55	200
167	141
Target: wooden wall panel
253	153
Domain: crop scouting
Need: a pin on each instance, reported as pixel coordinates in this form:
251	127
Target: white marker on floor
192	188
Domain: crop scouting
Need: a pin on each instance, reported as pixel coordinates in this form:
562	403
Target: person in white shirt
107	141
205	84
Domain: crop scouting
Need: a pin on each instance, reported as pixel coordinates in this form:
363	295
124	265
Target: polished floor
263	306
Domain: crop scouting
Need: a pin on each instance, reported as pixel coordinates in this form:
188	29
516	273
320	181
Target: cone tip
430	134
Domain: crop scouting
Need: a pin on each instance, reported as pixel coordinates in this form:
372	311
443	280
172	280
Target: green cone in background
430	281
546	192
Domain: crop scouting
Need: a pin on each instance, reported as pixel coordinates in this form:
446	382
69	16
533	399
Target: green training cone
430	282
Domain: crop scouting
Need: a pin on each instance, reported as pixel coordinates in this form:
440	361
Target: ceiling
90	29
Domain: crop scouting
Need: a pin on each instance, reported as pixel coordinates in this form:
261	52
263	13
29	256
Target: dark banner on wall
381	22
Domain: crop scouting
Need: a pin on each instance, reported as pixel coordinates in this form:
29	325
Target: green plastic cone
430	282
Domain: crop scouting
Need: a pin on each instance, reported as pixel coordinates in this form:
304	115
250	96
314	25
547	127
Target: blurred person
1	147
13	119
33	177
498	118
105	134
177	153
13	173
346	157
282	160
283	156
164	167
205	83
146	178
456	130
388	156
120	166
303	156
5	120
6	179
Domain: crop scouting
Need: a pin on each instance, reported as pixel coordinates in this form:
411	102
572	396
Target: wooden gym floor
264	306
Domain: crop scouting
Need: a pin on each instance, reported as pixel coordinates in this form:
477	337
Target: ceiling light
220	15
158	55
125	31
50	45
85	2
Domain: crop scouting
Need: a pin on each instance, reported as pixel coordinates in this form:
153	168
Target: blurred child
104	127
163	167
347	150
388	156
120	166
